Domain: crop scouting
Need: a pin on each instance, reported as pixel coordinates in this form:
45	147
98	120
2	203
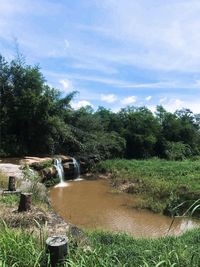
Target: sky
113	52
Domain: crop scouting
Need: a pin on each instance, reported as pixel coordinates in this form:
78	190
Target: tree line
35	119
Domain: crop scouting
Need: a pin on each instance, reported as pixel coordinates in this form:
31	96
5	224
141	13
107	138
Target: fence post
11	183
25	202
57	246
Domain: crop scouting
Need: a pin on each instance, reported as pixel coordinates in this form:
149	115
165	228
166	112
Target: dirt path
11	170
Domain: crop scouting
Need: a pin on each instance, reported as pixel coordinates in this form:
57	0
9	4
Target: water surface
93	205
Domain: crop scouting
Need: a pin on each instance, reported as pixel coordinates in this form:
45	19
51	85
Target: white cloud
66	85
148	98
194	106
163	99
128	100
174	104
130	85
109	98
163	35
86	64
158	35
81	103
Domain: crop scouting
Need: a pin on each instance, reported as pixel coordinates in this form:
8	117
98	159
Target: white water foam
62	184
60	170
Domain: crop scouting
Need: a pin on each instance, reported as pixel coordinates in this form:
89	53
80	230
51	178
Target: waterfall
76	168
59	168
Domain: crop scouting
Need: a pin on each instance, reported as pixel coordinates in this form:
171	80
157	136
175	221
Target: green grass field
21	249
162	185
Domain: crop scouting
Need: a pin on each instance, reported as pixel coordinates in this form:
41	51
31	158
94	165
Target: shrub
177	151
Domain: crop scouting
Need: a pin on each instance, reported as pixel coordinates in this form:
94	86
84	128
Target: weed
164	186
3	180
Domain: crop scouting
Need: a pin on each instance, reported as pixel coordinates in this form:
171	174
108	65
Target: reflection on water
92	205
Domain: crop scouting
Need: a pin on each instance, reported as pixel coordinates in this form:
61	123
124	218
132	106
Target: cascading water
59	168
76	168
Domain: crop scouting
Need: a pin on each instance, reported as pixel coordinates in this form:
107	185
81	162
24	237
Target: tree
31	111
140	129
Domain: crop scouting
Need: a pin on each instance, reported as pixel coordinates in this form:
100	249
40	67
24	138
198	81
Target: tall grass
19	248
22	249
162	185
122	250
3	180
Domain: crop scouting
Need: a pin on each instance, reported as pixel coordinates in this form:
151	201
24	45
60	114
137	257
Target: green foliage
34	186
36	119
109	249
31	112
89	130
3	180
177	151
52	182
9	199
19	248
162	185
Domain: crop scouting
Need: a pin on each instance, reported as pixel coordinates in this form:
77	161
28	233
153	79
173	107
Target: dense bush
36	119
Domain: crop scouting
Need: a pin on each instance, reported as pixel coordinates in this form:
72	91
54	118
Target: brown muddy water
93	205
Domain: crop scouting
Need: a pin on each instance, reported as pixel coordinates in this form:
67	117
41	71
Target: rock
64	158
48	173
86	162
69	170
32	160
11	170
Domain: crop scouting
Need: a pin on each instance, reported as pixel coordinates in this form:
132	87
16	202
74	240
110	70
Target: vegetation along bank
170	187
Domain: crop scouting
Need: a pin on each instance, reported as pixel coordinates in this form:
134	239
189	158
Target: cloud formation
120	50
148	98
128	100
81	103
110	98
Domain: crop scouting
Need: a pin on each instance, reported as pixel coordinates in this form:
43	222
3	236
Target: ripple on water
92	205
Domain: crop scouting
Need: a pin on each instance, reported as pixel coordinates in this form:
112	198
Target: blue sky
114	52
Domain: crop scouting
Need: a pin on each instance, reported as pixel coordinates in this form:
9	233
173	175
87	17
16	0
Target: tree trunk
11	183
25	202
57	247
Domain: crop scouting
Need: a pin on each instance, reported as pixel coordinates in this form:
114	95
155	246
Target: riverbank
169	187
41	212
22	249
25	246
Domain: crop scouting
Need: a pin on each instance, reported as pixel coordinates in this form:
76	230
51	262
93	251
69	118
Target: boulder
64	158
11	170
86	162
69	170
48	173
32	160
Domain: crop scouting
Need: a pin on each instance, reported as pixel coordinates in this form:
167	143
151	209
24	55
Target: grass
122	250
162	185
3	180
9	200
20	249
14	219
9	209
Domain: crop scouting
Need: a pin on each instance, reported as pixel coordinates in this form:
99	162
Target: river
94	205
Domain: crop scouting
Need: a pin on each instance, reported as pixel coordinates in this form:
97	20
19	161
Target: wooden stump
25	202
58	249
11	183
